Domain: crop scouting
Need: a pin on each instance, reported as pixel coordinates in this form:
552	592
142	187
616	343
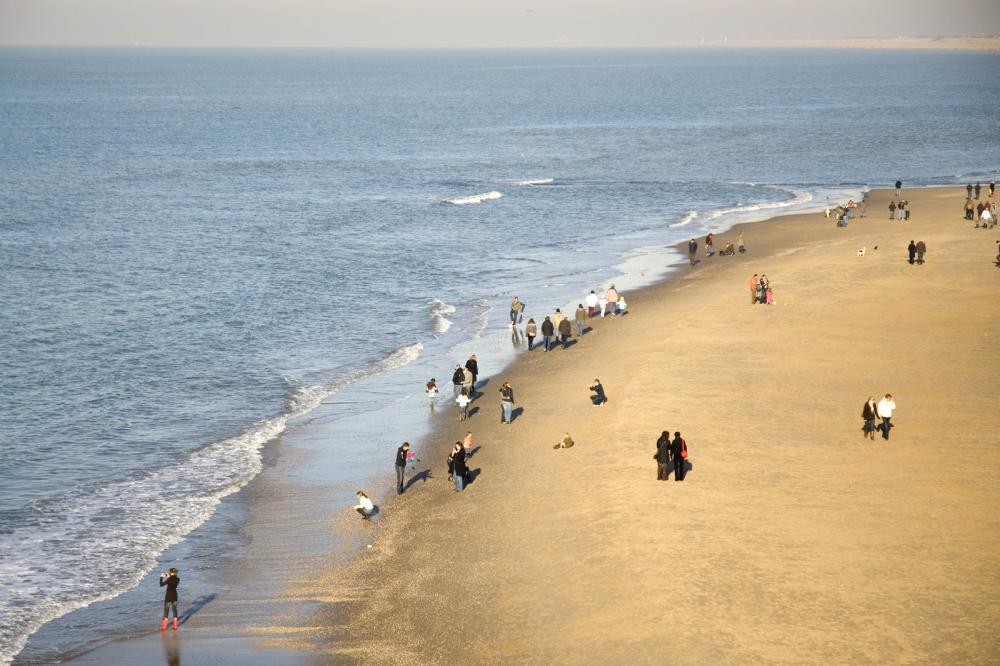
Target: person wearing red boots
170	581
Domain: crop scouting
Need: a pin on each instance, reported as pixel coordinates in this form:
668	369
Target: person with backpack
457	379
678	454
169	580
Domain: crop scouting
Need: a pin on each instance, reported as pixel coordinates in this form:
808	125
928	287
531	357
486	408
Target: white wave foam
798	198
439	312
474	199
686	220
539	181
115	532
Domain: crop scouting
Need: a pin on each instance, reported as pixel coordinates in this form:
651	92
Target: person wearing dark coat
457	379
402	454
548	330
169	580
456	466
565	331
912	249
472	366
921	248
678	454
599	398
663	456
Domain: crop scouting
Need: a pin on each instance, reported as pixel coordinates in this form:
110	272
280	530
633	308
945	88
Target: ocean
202	249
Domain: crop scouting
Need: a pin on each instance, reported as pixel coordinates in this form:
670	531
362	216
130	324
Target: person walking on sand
531	331
968	191
622	306
741	247
978	189
364	506
548	330
899	187
602	301
985	217
884	409
612	297
506	403
993	188
892	210
709	245
472	368
169	580
678	454
457	379
581	319
662	456
467	444
921	248
599	398
557	318
754	289
456	466
912	250
692	250
591	303
762	285
463	401
869	413
402	456
970	210
515	310
565	331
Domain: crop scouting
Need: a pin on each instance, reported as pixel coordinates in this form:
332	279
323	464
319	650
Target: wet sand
792	540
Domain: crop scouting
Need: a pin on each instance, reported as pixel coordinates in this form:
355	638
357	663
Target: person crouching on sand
364	506
566	443
599	398
169	580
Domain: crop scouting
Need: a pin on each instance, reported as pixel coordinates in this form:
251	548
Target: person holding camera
598	398
169	580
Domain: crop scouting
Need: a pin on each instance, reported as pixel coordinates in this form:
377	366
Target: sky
477	23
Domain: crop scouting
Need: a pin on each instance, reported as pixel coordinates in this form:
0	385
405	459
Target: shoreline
354	623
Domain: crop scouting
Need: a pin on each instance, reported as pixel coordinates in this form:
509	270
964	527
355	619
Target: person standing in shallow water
662	456
515	310
169	580
472	367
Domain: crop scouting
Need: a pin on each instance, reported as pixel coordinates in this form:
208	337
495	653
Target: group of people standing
917	251
728	251
760	290
558	329
670	454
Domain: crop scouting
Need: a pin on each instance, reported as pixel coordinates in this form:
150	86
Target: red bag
684	450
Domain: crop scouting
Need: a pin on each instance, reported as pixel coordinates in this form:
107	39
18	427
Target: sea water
198	248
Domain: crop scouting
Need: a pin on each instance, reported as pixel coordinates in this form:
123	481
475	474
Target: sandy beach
792	540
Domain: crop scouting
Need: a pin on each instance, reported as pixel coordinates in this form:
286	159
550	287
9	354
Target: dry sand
792	540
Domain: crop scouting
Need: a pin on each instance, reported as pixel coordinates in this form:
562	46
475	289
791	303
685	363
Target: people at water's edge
548	330
402	455
169	580
472	367
364	506
457	379
692	250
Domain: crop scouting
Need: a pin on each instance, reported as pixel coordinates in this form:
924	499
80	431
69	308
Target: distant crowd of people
728	250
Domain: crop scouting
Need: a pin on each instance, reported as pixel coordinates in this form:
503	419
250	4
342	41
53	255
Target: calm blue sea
197	246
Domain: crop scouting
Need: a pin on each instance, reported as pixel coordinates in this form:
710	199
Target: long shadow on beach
197	605
421	476
516	413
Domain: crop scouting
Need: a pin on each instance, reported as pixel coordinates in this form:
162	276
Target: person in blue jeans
548	331
456	466
402	455
506	403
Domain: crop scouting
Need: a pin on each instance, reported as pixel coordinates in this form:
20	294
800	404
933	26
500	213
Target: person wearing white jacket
885	409
591	303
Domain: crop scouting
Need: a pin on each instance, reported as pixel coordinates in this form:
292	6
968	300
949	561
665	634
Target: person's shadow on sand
471	476
515	413
421	476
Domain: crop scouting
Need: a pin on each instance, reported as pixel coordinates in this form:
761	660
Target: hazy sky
449	23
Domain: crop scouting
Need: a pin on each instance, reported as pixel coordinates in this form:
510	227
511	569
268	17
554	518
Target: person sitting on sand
566	443
364	506
599	398
729	250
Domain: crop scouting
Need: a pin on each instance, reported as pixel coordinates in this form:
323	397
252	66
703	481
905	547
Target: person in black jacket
599	398
456	466
548	330
169	580
663	456
472	367
678	453
506	403
457	379
401	458
912	249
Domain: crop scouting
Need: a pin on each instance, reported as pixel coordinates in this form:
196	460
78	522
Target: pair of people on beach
760	290
883	409
457	469
670	454
916	251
